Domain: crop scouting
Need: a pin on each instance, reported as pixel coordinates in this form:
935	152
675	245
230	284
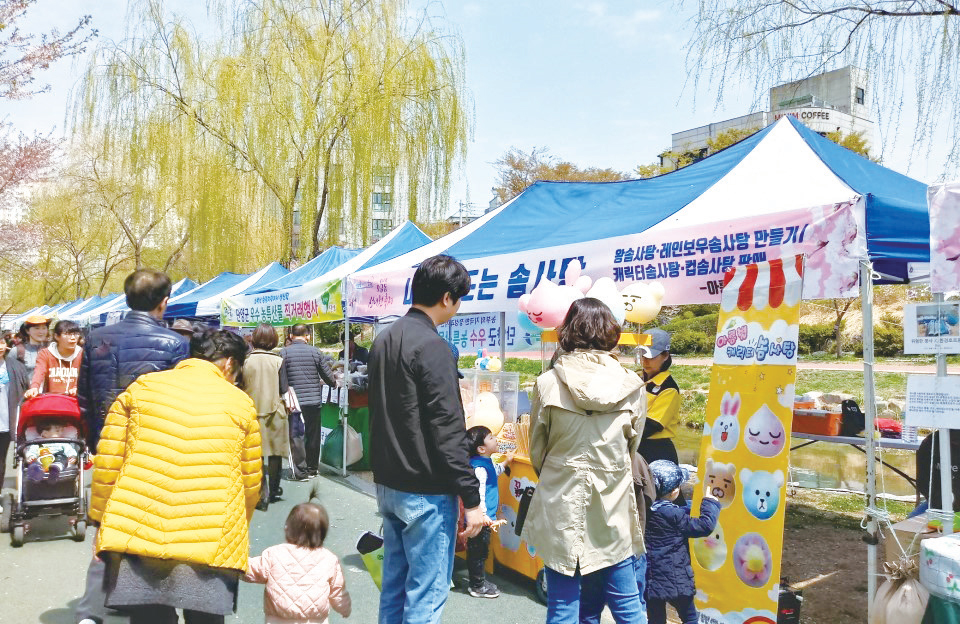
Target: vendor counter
358	417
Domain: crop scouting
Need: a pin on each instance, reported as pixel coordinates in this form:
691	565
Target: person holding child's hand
483	444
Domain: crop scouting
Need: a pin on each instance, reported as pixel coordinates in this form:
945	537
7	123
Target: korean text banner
310	303
471	333
689	261
943	201
746	444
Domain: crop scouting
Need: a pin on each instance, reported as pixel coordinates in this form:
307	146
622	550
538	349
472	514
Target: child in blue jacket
669	526
483	444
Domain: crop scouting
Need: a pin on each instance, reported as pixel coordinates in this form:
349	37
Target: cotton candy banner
689	261
744	455
310	303
943	201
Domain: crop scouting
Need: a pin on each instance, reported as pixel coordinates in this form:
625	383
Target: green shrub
815	337
887	341
687	341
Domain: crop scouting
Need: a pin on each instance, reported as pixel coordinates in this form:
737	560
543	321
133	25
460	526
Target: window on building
861	96
382	201
383	177
382	227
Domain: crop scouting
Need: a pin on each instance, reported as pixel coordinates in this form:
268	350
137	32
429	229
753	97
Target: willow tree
292	108
910	47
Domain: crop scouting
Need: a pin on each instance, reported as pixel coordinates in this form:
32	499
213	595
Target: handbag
370	547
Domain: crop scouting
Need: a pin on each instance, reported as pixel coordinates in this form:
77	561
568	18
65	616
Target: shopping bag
901	599
332	452
370	547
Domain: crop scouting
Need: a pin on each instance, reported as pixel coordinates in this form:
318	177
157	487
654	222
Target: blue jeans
618	589
419	536
593	595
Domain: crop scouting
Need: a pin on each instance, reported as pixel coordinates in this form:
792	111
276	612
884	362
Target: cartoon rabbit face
725	433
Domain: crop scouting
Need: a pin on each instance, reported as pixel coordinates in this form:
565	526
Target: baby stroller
49	458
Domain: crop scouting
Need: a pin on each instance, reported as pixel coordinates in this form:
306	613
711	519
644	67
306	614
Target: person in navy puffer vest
483	444
669	526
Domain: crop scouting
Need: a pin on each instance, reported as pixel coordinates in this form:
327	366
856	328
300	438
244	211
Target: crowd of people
189	426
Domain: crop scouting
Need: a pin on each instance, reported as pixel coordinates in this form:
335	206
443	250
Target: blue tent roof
204	300
898	225
561	213
408	238
79	312
326	261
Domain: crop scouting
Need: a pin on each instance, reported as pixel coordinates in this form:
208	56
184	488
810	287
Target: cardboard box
906	531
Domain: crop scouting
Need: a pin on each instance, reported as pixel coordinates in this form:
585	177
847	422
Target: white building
829	102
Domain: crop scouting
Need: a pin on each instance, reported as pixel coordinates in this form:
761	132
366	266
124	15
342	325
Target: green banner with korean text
310	303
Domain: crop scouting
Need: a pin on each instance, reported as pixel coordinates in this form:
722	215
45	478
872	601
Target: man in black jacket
306	368
113	357
419	448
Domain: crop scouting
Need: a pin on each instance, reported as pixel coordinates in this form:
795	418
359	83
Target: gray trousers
298	452
91	604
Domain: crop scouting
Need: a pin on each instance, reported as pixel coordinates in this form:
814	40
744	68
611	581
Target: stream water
825	465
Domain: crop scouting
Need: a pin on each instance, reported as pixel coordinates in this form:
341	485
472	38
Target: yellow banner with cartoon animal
745	451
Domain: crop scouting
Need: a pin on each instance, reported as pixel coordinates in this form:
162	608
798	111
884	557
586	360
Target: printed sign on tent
931	327
470	333
310	303
688	261
746	444
943	201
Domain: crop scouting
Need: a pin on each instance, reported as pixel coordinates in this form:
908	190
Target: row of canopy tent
785	190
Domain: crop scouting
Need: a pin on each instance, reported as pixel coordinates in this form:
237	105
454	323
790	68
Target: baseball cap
659	342
667	476
36	319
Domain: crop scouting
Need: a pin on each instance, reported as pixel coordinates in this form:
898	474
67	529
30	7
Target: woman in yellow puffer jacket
175	482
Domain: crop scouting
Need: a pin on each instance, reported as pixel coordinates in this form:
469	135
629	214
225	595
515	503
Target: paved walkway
40	581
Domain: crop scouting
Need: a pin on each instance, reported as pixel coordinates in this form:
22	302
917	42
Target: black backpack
853	420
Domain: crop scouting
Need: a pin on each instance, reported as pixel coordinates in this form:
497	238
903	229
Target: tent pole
345	391
946	461
869	399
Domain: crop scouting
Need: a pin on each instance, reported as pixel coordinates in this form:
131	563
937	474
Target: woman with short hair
261	378
175	482
587	413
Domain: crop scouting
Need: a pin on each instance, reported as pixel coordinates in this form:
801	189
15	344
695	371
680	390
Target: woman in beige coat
261	378
586	417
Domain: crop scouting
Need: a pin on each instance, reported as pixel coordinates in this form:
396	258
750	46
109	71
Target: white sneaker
87	621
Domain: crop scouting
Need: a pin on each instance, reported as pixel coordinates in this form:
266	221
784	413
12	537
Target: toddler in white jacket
303	579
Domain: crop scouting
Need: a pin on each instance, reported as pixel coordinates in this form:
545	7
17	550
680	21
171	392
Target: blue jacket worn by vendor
306	368
115	355
418	436
669	526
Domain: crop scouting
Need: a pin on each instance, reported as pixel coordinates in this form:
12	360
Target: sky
596	82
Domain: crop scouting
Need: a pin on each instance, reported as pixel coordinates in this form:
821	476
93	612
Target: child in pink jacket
304	579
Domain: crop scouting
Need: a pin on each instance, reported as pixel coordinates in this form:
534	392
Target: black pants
298	454
657	610
271	477
477	549
4	447
312	444
162	614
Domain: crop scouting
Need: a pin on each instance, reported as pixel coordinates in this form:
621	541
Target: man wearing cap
35	336
663	401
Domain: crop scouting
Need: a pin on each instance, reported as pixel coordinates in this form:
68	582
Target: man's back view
114	356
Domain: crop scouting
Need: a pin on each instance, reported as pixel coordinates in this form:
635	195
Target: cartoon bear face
725	432
721	479
761	492
764	434
711	551
642	301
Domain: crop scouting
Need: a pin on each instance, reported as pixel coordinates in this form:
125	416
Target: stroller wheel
80	531
16	536
7	513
